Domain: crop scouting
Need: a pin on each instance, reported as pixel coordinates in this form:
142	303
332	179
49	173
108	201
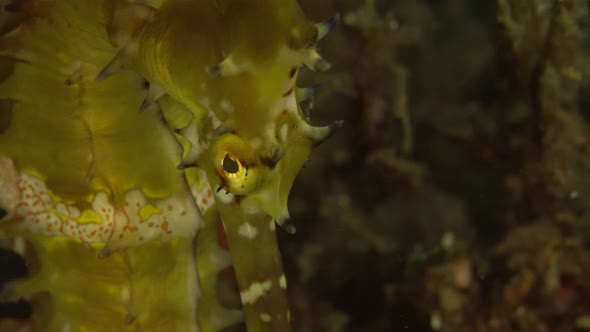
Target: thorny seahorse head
126	129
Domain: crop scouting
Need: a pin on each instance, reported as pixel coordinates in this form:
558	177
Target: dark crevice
16	310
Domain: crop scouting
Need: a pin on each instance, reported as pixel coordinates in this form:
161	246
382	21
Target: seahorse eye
239	178
238	166
229	165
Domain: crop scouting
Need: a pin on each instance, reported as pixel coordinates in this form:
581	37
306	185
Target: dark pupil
230	165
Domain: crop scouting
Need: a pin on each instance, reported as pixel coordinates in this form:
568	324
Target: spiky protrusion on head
314	61
225	68
265	116
326	26
246	130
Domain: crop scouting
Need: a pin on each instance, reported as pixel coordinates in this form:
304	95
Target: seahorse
145	148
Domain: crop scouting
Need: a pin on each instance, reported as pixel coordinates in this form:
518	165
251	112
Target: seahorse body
125	130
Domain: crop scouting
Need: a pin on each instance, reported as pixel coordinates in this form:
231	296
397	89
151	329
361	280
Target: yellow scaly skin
117	120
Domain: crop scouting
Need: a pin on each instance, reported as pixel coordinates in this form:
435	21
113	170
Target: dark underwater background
456	196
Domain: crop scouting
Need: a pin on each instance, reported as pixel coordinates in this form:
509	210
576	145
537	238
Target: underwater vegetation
454	197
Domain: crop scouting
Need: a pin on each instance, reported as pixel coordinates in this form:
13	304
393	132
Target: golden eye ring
237	177
237	165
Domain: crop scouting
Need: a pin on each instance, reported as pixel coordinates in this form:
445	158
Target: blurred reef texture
456	197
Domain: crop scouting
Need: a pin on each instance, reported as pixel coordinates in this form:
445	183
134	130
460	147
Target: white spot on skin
272	225
224	197
255	291
284	131
247	230
283	281
265	317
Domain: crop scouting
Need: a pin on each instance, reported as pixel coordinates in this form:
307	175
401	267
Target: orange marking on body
126	216
209	193
183	213
151	224
164	226
204	201
169	207
132	228
39	199
120	236
288	92
141	238
93	233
